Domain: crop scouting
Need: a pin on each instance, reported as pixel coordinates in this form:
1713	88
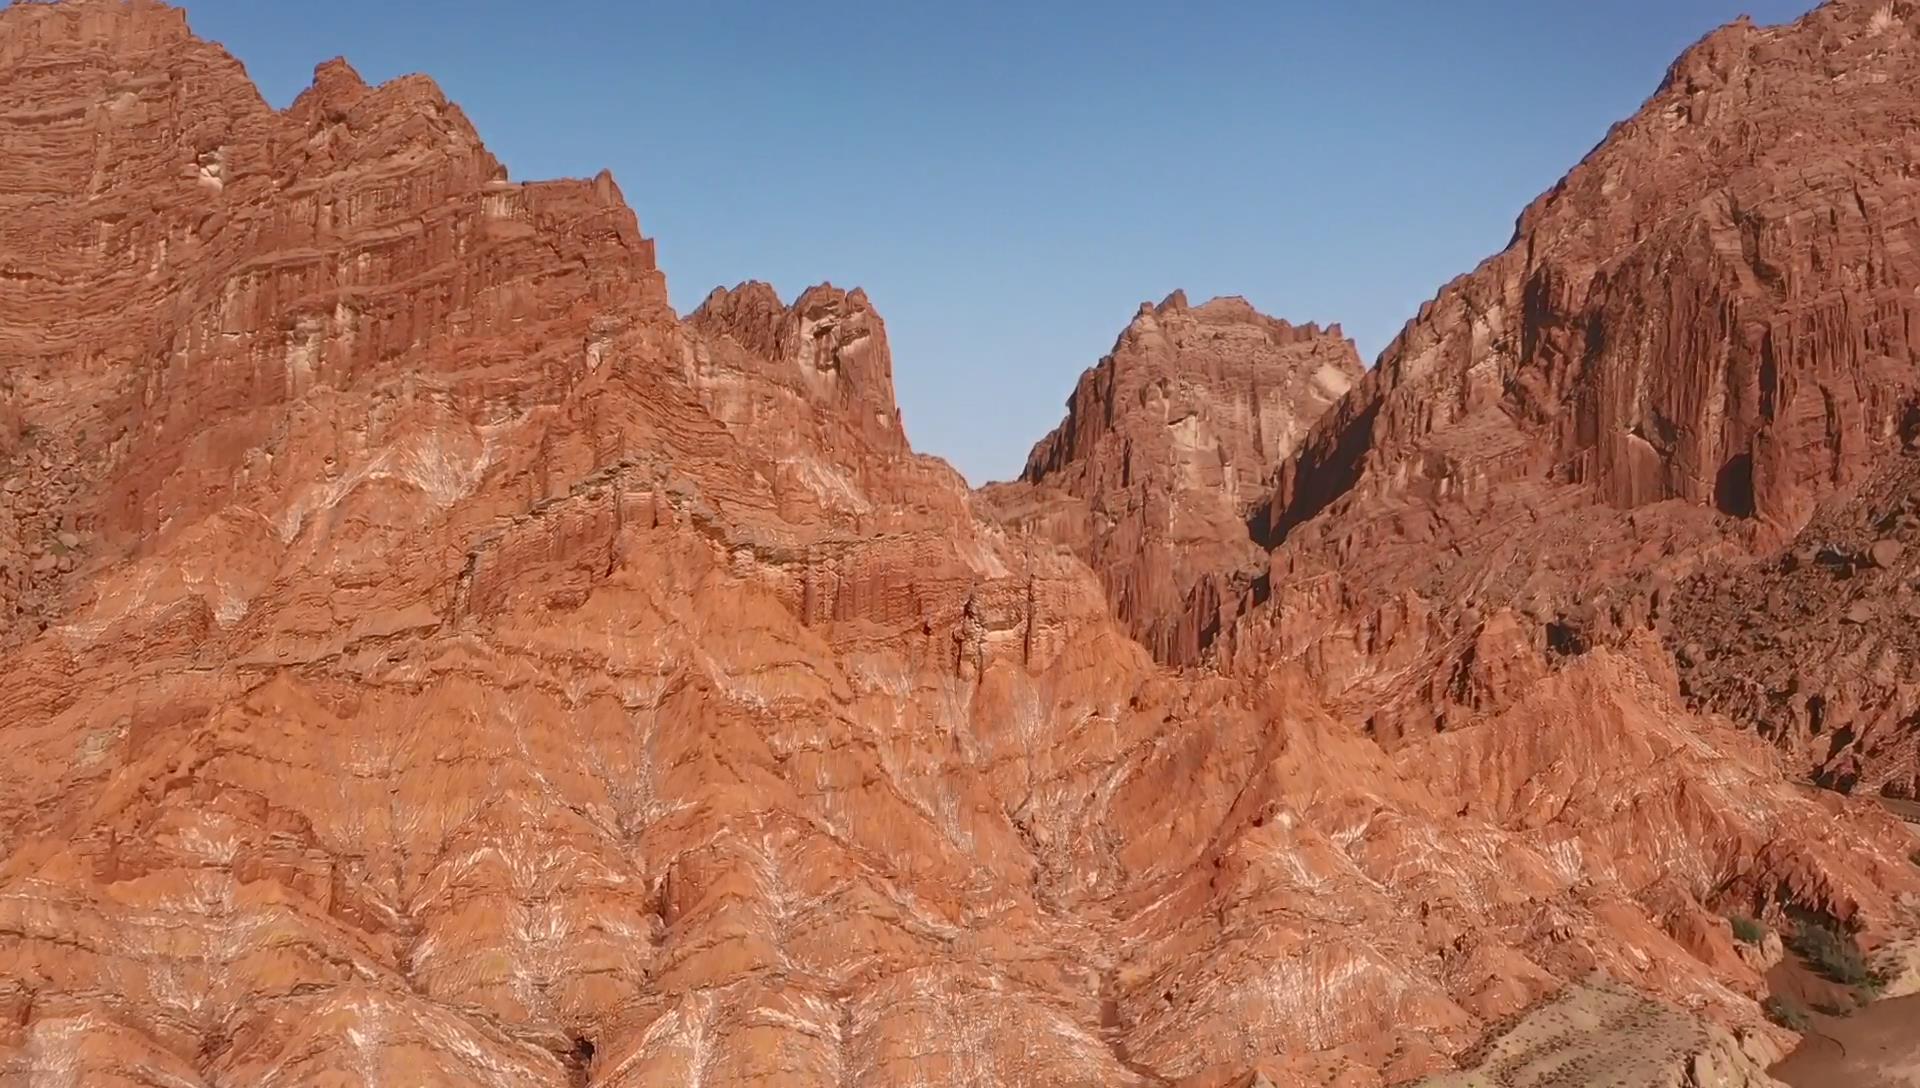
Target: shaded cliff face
1167	445
454	669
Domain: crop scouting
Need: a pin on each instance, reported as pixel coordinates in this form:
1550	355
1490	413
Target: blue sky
1010	180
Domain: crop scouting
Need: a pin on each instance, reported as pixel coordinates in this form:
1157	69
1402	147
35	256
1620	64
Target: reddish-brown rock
828	349
1692	338
1168	444
433	662
1816	647
1714	307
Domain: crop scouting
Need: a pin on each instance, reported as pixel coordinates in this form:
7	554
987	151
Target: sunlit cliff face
432	661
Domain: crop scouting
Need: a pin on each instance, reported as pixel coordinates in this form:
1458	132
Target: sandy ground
1877	1047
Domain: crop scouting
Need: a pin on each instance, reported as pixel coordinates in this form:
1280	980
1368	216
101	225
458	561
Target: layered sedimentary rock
828	349
1167	445
1694	337
207	299
457	669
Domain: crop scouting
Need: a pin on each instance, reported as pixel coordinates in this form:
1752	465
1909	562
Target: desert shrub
1788	1013
1831	953
1870	989
1747	930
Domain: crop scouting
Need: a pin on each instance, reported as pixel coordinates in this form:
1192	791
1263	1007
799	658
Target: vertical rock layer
1716	306
1694	338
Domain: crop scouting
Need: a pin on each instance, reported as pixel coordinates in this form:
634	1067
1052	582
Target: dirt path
1877	1047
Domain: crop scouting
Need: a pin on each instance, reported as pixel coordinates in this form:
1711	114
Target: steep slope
1714	307
1697	334
467	672
184	264
1815	646
1167	444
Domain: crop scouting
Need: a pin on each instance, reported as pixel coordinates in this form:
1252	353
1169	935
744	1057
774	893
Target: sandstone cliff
454	668
1694	337
1167	445
1715	306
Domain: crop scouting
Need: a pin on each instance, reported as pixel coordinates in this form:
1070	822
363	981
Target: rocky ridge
1692	340
469	672
1166	447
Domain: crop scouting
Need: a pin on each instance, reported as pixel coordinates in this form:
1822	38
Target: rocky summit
1166	445
428	659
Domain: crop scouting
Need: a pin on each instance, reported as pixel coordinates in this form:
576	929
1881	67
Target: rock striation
1692	340
431	660
1167	445
1731	329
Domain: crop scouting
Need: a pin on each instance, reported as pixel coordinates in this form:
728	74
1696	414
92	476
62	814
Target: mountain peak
1166	442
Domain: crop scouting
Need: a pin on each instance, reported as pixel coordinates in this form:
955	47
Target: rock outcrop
827	351
1168	444
1599	1034
430	660
1714	307
1815	647
1693	338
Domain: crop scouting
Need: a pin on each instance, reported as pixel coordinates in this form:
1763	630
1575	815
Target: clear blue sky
1009	180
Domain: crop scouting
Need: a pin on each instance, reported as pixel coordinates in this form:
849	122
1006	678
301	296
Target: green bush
1747	930
1832	954
1869	991
1788	1013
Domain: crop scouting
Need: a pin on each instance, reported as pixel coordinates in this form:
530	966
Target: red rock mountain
429	660
1696	336
1167	446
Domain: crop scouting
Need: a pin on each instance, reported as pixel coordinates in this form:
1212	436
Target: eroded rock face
828	351
1814	646
1694	341
1715	306
1167	445
1691	340
468	672
207	298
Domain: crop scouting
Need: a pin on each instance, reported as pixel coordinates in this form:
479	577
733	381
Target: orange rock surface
455	668
1696	338
1166	448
